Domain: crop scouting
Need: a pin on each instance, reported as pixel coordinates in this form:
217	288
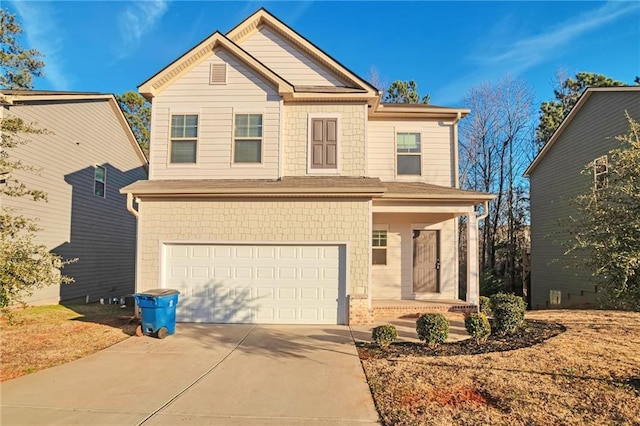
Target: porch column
473	282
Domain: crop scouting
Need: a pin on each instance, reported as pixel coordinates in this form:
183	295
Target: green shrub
508	312
478	327
485	305
384	335
433	329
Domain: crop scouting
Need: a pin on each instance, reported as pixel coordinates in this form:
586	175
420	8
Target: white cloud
500	53
135	22
44	33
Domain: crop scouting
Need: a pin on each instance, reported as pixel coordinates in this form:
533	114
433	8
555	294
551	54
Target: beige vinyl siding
395	279
437	146
351	140
557	179
288	61
100	232
215	105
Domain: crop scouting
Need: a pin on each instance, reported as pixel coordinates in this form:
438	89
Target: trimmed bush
384	335
485	305
508	312
478	327
433	329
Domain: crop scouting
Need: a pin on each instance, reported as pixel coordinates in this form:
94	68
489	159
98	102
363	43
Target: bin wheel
139	332
162	333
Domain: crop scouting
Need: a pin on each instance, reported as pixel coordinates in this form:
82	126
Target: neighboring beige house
584	138
281	189
86	156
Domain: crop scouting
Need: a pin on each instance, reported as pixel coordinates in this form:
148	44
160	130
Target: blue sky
446	47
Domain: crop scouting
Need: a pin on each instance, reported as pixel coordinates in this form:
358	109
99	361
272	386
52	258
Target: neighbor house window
99	181
184	138
379	246
247	138
408	150
600	172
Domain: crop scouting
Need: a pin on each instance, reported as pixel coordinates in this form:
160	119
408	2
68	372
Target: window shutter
324	143
218	74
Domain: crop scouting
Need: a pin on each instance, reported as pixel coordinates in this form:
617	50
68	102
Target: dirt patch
565	368
41	337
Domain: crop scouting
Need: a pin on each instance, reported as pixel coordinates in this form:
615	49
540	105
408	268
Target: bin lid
159	292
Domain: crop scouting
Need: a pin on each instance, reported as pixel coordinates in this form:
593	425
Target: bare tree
494	150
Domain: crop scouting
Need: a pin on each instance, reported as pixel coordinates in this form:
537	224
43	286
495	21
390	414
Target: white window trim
605	173
173	112
385	228
397	130
104	181
235	112
338	117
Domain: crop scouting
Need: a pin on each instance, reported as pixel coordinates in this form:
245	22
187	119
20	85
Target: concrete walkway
204	374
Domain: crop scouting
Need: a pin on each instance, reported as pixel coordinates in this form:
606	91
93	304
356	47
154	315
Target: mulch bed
532	333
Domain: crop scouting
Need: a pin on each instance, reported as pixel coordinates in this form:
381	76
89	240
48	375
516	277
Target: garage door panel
256	284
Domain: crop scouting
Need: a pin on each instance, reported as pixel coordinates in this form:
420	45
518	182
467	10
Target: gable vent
218	74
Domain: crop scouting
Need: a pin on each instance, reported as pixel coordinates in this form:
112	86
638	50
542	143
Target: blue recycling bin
158	307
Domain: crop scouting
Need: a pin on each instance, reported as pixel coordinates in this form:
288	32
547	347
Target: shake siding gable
436	141
245	92
557	179
75	223
288	61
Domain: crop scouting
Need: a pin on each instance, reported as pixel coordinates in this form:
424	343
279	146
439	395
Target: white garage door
267	284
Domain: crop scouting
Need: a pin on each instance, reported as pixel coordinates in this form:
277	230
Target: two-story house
281	189
584	139
84	155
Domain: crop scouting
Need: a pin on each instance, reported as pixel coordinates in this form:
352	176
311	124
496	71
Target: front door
426	262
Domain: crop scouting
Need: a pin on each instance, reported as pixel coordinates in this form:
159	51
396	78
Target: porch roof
286	186
426	191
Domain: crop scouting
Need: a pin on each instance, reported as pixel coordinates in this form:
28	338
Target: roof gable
199	53
575	111
262	19
23	96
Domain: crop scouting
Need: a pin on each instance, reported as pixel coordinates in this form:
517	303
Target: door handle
438	264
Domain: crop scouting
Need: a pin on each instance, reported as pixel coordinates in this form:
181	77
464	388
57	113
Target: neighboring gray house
585	137
87	155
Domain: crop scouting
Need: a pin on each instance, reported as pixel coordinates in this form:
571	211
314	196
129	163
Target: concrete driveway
204	374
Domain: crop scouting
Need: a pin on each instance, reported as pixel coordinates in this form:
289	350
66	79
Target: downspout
478	219
130	205
456	174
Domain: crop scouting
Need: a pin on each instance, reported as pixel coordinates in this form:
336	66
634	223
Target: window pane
242	120
248	151
379	257
255	119
99	189
379	238
183	151
409	164
177	126
191	120
409	142
248	126
99	175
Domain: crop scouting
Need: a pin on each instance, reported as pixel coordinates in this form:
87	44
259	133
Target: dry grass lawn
44	336
588	375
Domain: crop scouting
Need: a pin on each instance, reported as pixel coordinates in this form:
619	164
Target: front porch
392	309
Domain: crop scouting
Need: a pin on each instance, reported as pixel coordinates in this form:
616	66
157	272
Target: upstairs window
184	138
248	138
99	181
409	154
600	172
379	247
